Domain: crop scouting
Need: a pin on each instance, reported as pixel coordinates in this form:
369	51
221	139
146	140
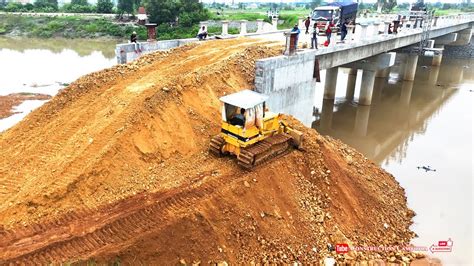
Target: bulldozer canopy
244	99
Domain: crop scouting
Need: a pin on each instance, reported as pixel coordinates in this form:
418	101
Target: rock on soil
116	168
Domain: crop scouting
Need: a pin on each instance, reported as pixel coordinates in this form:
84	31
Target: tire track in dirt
78	236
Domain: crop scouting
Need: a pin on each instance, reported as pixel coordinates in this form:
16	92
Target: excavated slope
115	168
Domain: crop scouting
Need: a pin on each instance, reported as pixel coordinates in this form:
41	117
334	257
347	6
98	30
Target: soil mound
116	168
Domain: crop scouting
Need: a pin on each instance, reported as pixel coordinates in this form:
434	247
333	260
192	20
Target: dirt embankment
9	101
116	168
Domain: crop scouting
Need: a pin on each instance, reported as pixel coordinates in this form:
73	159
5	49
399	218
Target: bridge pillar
370	66
463	37
351	84
330	83
438	56
243	27
326	115
366	87
382	73
259	25
225	27
361	122
410	67
275	23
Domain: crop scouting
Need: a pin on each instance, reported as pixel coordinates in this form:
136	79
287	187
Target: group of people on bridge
328	30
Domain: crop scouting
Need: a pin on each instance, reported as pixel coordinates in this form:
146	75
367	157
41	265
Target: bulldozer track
81	235
263	151
215	145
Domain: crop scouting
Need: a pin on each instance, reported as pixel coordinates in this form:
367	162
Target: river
425	123
46	66
411	125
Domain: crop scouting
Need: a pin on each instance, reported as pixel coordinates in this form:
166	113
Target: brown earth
116	169
9	101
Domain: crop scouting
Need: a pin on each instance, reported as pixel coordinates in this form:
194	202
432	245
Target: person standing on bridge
307	23
297	32
344	30
314	37
329	27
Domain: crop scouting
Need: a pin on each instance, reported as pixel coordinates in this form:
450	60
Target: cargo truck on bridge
338	12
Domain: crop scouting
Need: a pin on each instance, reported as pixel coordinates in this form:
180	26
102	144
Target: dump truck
338	12
251	132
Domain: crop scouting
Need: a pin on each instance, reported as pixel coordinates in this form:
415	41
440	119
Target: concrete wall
126	52
288	81
280	72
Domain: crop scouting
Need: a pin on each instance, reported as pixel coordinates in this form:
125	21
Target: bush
74	8
55	25
13	7
105	6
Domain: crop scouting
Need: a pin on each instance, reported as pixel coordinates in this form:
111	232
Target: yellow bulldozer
251	132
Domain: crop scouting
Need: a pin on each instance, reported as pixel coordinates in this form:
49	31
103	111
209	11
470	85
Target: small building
142	16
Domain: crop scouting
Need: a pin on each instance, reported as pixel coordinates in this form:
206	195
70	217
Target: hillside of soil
115	168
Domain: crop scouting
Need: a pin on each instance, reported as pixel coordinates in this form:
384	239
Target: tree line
51	6
174	12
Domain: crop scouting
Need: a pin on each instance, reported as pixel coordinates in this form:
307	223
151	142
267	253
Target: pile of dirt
9	101
116	168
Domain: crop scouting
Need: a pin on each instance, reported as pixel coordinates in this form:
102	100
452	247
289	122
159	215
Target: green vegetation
105	6
80	27
67	27
184	13
175	19
289	16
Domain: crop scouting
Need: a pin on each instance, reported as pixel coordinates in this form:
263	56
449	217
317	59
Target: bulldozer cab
250	132
244	110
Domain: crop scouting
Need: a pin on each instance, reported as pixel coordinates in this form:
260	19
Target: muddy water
45	66
428	122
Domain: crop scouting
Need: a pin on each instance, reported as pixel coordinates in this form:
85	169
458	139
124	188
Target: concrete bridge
283	76
398	112
371	49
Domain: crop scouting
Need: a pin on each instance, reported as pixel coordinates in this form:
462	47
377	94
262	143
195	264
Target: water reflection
397	112
82	47
46	65
38	65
